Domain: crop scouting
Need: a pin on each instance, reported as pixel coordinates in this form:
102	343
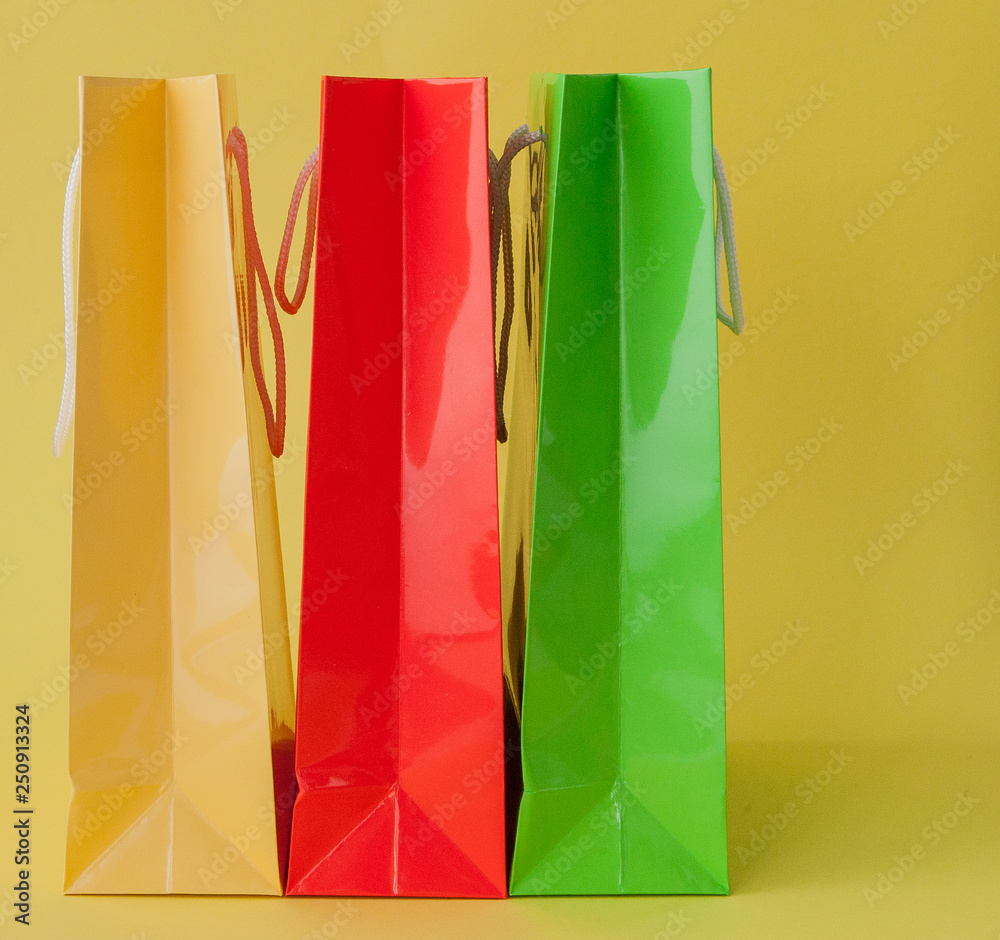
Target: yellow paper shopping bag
181	714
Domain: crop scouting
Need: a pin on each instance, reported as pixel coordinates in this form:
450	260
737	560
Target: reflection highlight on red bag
399	752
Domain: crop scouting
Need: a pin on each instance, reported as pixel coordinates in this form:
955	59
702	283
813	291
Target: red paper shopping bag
399	741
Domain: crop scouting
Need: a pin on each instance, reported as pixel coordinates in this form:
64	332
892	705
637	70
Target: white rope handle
69	309
725	240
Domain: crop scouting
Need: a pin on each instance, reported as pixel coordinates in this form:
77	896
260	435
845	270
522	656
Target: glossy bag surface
399	753
613	527
180	709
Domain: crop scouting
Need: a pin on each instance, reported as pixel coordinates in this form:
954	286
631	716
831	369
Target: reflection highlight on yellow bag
181	714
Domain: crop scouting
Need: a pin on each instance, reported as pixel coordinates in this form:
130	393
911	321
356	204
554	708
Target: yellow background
883	95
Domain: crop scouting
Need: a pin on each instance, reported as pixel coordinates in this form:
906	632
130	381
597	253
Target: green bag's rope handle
725	240
500	236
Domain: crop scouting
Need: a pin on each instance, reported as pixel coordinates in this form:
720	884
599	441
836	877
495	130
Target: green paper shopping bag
612	529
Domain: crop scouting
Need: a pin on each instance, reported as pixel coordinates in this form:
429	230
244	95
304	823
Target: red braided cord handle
274	415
